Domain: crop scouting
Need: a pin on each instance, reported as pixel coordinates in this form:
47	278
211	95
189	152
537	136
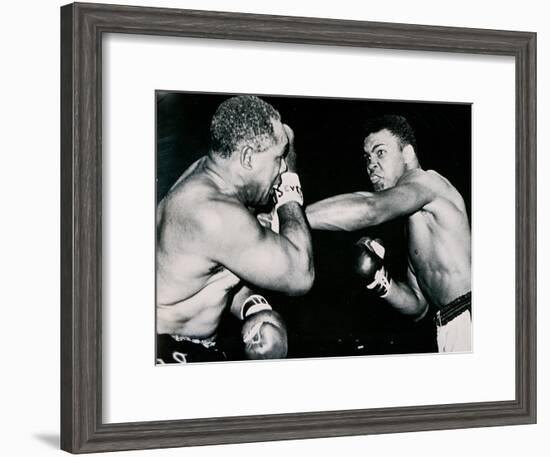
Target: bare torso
192	290
439	245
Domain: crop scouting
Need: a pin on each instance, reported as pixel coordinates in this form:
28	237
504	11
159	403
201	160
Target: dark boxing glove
370	266
263	332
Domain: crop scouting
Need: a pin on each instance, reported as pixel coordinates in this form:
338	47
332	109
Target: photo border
82	29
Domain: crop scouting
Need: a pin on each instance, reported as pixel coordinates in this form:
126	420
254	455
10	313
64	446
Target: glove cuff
254	304
290	190
382	282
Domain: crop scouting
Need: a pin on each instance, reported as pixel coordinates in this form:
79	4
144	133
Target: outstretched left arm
359	210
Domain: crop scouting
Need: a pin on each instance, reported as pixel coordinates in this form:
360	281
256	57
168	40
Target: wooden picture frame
82	29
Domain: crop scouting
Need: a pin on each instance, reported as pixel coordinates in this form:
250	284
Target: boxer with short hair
212	252
438	232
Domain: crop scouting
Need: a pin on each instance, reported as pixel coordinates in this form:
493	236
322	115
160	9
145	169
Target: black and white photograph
300	227
252	228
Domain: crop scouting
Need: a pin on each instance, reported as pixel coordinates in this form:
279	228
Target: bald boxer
213	253
437	226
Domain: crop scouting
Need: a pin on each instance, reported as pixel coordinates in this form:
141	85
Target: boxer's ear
408	154
246	157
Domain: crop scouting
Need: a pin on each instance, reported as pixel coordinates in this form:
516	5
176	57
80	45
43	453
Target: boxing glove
290	190
370	265
264	332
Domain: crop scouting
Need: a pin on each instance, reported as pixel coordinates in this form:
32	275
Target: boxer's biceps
345	212
403	199
275	263
255	254
413	284
421	302
266	260
403	298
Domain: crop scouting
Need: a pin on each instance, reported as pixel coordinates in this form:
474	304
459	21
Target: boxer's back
192	290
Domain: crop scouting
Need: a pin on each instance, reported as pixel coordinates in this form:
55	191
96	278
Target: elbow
421	312
308	279
312	217
302	281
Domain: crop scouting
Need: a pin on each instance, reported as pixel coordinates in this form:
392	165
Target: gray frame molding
82	28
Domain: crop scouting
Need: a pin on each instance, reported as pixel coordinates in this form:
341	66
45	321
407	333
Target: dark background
337	317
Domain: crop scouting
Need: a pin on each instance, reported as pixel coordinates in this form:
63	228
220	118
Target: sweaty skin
192	290
439	244
437	224
209	240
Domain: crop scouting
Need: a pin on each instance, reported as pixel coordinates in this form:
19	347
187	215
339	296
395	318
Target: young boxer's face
384	157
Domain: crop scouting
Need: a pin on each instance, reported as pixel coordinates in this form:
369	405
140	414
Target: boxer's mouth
375	178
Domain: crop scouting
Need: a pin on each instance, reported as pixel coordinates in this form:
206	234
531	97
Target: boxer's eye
380	153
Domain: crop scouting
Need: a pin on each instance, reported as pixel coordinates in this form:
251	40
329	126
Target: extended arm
359	210
346	212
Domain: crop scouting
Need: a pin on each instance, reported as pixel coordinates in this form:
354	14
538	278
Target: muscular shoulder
182	200
221	214
445	188
211	213
428	179
419	185
225	226
443	195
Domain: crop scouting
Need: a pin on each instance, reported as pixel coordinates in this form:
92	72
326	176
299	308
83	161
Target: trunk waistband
205	342
453	309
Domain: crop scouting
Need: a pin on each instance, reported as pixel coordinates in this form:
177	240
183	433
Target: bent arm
407	298
359	210
280	262
238	300
346	212
294	228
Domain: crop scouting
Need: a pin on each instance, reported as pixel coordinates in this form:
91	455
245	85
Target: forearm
293	226
238	300
346	212
402	298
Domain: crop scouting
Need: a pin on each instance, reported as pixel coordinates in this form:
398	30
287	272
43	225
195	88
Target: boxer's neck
227	178
412	164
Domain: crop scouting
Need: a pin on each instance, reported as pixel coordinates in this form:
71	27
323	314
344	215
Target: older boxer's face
384	157
269	164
